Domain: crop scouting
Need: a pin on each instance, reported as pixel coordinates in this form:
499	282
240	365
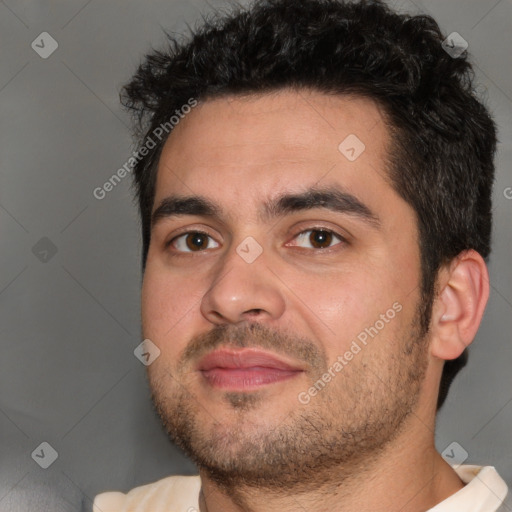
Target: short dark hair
443	137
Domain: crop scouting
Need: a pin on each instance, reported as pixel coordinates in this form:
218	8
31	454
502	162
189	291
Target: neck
408	475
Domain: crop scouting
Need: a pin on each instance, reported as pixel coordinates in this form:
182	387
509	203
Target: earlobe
459	306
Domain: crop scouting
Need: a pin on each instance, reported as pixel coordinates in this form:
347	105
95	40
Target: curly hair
443	138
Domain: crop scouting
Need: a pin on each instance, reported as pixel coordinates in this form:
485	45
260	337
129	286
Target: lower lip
246	379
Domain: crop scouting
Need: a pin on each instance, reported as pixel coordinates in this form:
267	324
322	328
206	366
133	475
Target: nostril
254	312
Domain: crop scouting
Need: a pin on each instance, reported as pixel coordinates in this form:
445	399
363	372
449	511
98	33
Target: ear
463	290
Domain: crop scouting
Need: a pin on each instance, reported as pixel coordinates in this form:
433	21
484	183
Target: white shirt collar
485	491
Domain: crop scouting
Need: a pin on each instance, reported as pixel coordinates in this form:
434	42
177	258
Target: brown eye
196	241
320	239
193	241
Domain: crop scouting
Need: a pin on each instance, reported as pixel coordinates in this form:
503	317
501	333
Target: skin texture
365	441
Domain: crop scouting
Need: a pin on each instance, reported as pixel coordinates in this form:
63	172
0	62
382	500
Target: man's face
263	272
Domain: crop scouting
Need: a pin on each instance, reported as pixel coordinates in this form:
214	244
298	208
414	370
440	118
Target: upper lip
245	358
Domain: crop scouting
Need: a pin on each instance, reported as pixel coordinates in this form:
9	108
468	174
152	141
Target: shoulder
166	495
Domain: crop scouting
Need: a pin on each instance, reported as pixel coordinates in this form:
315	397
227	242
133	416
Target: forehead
284	140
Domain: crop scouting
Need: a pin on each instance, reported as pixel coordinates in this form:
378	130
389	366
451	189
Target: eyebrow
330	198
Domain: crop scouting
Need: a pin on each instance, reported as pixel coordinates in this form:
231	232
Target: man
314	184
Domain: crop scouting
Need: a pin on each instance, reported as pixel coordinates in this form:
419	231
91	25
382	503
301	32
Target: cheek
166	303
339	306
329	305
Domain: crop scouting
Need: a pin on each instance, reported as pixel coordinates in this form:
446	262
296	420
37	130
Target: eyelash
342	239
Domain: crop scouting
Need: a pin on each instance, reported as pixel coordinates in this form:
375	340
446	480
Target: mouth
246	369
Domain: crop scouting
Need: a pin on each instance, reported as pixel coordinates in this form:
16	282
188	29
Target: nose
243	291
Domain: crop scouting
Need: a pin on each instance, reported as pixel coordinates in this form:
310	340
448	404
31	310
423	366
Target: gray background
69	320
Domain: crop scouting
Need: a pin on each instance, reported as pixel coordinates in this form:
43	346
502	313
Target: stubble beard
344	427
